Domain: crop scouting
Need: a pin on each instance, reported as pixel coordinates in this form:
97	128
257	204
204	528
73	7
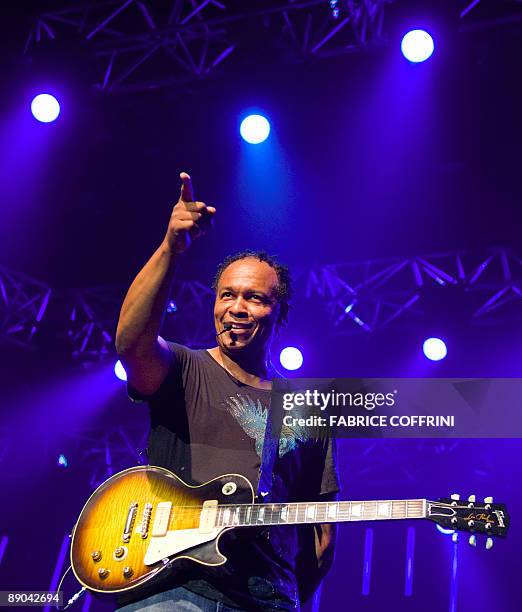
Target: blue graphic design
252	416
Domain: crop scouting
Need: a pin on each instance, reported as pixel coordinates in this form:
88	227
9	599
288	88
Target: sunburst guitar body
142	519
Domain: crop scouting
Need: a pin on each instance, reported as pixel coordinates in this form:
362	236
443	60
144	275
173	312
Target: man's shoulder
187	356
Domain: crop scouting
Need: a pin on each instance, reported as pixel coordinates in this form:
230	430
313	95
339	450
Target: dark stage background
370	158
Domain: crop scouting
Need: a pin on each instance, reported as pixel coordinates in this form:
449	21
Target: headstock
486	517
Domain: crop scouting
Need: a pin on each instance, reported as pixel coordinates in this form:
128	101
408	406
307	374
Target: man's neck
250	370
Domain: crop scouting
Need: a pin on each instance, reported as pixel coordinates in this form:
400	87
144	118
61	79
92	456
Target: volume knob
96	555
127	572
103	572
119	552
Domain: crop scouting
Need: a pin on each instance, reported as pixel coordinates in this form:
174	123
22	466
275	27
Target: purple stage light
291	358
417	46
45	108
3	545
119	370
62	461
172	307
255	129
434	349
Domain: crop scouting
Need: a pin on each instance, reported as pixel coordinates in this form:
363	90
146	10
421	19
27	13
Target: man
208	417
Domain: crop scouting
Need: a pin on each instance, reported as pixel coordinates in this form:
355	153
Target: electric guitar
143	519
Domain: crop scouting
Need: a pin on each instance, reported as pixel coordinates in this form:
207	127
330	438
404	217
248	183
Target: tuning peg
455	496
488	500
455	537
489	543
472	499
472	540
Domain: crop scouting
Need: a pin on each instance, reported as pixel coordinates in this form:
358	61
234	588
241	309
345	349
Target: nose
238	308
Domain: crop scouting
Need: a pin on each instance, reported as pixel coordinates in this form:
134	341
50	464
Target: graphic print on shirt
252	416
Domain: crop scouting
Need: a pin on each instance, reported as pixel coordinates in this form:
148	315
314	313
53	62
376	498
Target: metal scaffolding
23	303
359	297
140	45
368	296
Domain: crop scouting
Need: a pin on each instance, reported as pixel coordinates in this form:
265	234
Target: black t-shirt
205	423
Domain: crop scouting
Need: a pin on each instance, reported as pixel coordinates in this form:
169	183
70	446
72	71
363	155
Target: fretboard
242	515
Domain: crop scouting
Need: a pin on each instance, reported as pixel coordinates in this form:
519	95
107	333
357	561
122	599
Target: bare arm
144	354
324	536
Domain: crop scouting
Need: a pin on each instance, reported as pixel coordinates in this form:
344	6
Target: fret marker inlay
356	509
310	512
383	509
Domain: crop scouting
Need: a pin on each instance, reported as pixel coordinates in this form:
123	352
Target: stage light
291	358
172	307
434	349
254	129
119	370
45	108
62	461
417	46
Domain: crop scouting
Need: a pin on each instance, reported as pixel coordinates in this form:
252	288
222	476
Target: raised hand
189	219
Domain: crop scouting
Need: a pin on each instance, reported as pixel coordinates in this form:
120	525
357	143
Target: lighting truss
23	302
360	297
370	295
91	318
147	44
191	323
105	452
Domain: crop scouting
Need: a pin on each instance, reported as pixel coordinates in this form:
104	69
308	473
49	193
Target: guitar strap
274	422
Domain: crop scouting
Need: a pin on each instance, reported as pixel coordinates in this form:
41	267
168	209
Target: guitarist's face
246	299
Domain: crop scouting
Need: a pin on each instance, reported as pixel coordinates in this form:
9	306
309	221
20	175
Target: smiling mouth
238	327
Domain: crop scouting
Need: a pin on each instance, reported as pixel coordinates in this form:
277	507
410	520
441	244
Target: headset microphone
226	327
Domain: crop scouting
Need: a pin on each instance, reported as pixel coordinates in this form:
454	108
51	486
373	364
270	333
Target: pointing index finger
187	193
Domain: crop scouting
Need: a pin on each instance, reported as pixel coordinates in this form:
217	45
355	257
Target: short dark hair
284	282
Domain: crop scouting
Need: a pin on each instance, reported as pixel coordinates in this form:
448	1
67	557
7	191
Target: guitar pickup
161	521
207	519
131	516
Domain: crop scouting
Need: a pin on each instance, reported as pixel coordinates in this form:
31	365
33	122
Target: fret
398	508
318	512
226	516
384	509
310	512
261	514
344	511
276	514
284	514
369	510
248	515
356	511
333	508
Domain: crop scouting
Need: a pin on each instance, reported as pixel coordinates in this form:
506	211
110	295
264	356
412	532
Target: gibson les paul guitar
142	520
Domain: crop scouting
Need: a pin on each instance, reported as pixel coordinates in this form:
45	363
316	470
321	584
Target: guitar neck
248	515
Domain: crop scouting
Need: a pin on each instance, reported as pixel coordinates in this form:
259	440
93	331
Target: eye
226	294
